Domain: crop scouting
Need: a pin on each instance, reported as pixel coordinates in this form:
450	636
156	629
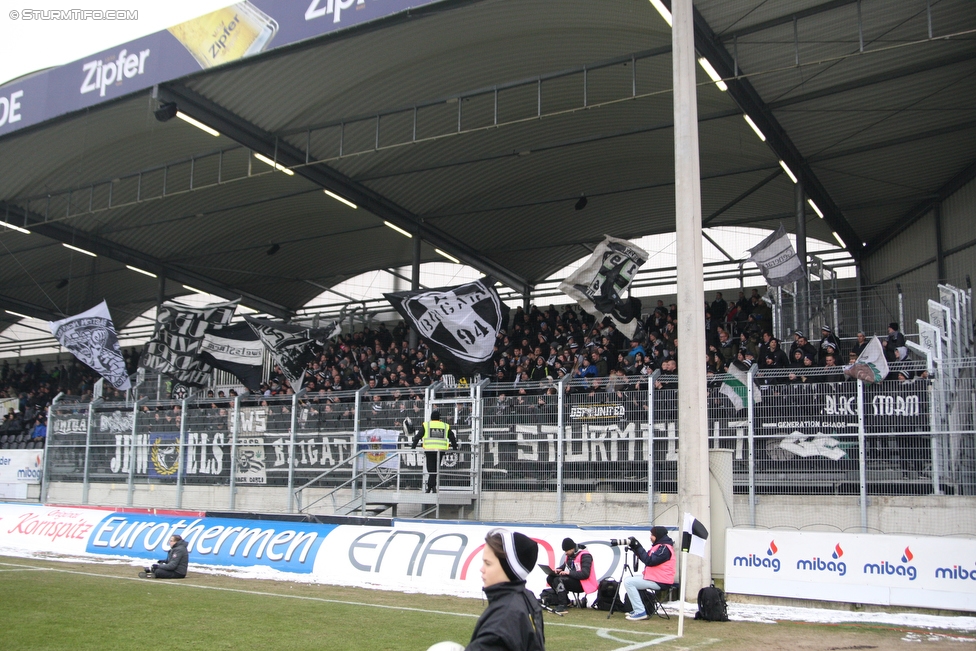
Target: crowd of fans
541	344
535	346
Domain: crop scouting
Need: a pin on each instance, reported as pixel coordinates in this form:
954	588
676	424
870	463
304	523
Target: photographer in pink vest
660	564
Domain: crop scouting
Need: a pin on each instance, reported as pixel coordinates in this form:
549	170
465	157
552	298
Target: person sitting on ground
175	563
576	574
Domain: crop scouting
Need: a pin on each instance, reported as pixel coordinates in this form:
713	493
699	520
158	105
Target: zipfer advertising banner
405	555
921	571
239	30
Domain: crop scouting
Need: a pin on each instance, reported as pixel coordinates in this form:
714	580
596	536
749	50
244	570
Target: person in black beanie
660	563
513	619
577	574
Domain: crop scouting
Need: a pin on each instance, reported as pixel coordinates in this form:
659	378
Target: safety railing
801	432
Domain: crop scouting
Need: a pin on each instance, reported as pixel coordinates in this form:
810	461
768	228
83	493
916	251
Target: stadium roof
478	125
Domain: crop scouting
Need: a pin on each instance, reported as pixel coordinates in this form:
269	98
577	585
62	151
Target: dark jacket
512	621
177	559
586	564
658	556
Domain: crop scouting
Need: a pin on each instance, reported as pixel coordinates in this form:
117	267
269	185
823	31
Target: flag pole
681	598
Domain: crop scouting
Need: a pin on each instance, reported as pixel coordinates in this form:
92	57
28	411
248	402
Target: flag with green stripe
735	388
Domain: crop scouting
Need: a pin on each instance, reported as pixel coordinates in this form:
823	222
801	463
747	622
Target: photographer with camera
577	574
660	565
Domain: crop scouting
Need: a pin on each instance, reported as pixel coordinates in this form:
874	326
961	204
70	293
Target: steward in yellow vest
437	436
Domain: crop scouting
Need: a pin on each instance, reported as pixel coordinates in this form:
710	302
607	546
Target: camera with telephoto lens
623	542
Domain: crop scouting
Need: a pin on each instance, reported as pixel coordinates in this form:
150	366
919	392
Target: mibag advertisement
922	571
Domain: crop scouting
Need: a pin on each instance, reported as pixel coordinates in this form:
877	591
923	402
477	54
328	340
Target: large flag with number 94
459	323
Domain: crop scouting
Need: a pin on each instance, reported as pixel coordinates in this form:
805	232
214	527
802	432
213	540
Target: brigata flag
459	323
91	337
599	285
292	346
693	536
175	348
736	387
237	350
777	260
871	365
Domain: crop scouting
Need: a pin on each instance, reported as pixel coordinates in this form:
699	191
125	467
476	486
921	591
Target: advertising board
920	571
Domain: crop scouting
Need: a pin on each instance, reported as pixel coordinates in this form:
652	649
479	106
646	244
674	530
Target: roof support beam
62	232
325	177
742	196
920	210
748	99
893	142
787	19
880	78
30	309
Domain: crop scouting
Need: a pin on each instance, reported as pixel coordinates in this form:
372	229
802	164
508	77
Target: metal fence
804	432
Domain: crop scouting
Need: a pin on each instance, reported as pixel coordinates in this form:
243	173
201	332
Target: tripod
623	570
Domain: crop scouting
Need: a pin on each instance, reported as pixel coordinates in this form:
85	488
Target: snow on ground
770	614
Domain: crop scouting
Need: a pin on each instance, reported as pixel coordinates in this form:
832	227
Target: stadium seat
3	439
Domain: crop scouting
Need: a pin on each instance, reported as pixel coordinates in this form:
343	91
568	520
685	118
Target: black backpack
605	594
711	605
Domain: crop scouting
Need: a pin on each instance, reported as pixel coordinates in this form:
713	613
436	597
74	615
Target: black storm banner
458	323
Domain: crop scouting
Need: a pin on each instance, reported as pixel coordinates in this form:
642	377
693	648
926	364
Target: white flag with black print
776	259
91	337
459	323
693	536
599	285
175	348
293	346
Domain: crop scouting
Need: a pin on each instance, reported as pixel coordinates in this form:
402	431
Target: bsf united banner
175	348
459	323
777	260
292	346
598	285
91	337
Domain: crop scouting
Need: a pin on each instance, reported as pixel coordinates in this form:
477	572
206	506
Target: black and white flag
91	337
599	285
458	323
693	536
777	260
292	346
175	348
237	350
